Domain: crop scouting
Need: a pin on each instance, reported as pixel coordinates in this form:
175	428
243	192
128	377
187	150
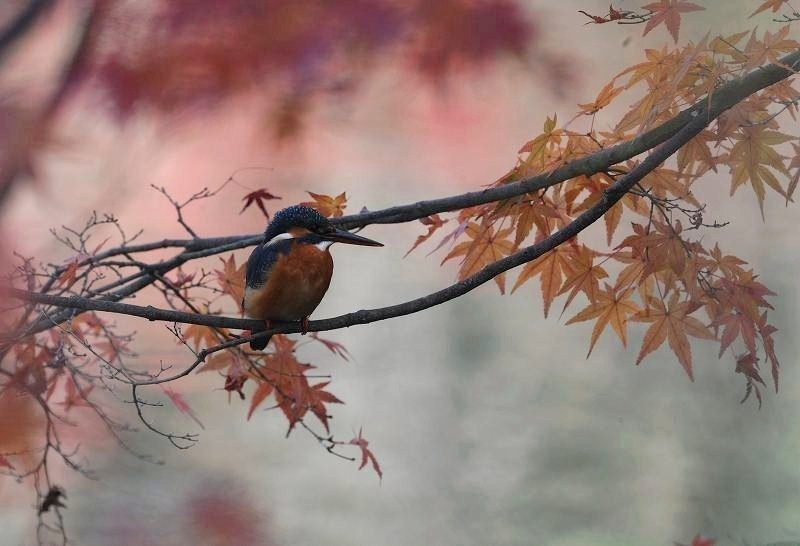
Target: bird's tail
261	343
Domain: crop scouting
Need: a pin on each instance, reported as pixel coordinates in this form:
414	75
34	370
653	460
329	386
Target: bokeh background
490	424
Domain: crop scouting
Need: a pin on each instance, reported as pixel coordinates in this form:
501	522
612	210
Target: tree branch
725	97
23	22
611	195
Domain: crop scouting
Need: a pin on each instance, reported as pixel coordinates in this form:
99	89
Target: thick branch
611	195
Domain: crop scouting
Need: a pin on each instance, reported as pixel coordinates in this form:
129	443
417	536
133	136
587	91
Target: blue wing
262	259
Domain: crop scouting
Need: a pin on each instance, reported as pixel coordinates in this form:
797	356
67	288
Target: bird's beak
343	236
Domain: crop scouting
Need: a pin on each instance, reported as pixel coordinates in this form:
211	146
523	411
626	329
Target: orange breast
295	286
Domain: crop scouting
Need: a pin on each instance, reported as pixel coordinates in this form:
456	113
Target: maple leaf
671	322
729	266
750	157
769	49
182	278
794	164
663	182
366	454
67	277
697	153
263	390
217	362
199	336
287	375
76	396
774	5
584	276
434	223
258	197
537	147
5	463
231	280
661	249
608	307
317	397
333	346
603	99
551	268
180	403
733	325
332	207
669	13
747	364
530	214
596	19
486	247
765	331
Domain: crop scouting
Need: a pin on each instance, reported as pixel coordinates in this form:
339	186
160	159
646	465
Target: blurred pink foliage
171	54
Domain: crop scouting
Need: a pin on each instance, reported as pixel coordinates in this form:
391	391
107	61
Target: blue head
299	221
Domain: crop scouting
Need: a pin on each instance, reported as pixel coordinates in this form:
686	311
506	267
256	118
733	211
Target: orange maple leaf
608	307
434	223
671	322
669	13
583	276
486	247
769	49
551	268
293	394
67	277
750	157
218	362
603	99
332	207
200	336
537	147
231	280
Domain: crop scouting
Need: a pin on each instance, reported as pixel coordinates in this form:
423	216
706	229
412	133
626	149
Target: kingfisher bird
290	271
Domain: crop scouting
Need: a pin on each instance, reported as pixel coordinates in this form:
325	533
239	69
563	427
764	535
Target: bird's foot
304	325
267	324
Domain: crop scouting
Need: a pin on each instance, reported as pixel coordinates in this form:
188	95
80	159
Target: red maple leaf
316	398
262	391
258	197
333	346
366	454
5	463
181	404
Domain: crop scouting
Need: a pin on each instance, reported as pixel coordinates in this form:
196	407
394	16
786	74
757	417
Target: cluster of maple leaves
663	273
